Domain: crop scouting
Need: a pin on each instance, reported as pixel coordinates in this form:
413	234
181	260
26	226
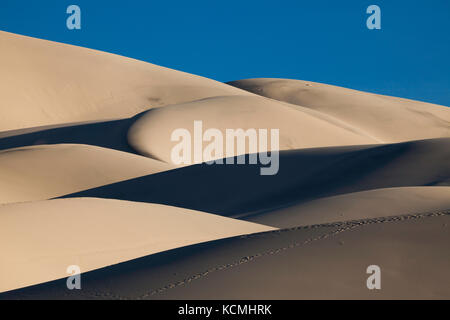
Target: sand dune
149	133
48	171
320	262
106	134
388	119
298	128
39	240
304	175
95	129
359	205
45	83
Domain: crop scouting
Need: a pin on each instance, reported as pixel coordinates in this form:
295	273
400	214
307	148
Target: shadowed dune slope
39	240
359	205
106	134
304	174
48	171
45	82
389	119
318	262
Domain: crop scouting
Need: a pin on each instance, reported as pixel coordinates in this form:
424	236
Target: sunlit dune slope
44	82
298	127
386	118
48	171
358	205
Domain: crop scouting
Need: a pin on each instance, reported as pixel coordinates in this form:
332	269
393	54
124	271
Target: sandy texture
316	262
363	180
388	119
49	171
299	128
63	83
374	203
305	174
39	240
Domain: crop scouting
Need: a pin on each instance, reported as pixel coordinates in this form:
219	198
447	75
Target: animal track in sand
339	227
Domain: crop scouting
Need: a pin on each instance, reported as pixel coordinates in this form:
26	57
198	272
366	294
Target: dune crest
299	128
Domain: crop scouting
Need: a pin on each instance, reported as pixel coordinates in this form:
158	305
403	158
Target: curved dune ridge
49	171
150	134
305	174
374	203
94	129
45	82
389	119
39	240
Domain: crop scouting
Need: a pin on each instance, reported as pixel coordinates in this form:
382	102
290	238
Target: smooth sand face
298	127
45	83
388	119
39	240
340	161
359	205
49	171
322	262
305	174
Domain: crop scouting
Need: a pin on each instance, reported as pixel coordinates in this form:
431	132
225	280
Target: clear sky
315	40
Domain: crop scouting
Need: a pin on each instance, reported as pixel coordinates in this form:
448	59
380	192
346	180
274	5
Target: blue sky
315	40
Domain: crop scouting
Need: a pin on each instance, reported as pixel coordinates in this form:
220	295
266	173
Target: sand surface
299	128
49	171
373	203
317	262
64	83
87	178
389	119
39	240
304	175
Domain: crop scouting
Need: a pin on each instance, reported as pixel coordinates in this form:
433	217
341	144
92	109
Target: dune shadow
233	190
